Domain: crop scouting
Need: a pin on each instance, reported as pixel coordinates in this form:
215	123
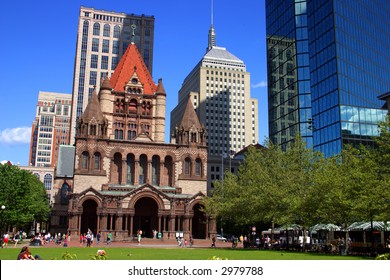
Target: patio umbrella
329	227
367	226
289	227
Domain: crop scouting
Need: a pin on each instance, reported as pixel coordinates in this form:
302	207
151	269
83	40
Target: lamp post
1	221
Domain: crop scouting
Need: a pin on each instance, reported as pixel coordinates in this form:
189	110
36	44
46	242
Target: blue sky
39	43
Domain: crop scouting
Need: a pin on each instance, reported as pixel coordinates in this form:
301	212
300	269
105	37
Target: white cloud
15	135
261	84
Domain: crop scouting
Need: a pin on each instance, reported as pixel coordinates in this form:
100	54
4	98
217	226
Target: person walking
16	238
213	240
109	238
5	240
139	236
98	235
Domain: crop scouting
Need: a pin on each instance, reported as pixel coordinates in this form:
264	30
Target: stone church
126	178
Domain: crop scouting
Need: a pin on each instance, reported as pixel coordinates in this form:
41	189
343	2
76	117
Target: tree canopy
301	186
23	196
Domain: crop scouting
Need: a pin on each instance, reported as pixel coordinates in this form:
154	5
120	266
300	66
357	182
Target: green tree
23	196
382	157
271	186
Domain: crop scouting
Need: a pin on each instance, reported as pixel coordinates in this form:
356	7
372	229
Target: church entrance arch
89	216
199	221
145	217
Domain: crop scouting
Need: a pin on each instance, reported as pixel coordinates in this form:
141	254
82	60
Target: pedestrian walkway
146	242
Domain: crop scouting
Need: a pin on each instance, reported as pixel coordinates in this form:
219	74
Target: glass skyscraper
328	61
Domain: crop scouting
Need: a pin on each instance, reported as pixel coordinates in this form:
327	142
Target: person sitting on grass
25	254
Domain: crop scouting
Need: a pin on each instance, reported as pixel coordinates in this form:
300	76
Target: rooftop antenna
211	41
212	15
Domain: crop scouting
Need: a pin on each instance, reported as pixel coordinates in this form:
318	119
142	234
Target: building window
155	170
106	30
94	61
104	64
187	166
130	169
95	44
64	193
84	160
117	31
118	134
115	47
114	62
97	161
96	29
48	181
143	169
92	78
198	167
106	46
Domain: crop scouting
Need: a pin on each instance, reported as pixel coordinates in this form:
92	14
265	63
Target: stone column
171	227
159	224
211	226
103	223
131	224
148	178
118	222
186	226
124	172
136	172
112	164
73	225
98	224
162	178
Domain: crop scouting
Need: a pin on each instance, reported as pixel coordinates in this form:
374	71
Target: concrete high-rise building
219	89
327	64
50	129
102	39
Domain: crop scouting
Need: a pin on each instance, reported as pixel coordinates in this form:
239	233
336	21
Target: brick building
125	177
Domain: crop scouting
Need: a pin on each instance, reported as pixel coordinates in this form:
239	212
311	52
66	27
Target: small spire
133	26
212	39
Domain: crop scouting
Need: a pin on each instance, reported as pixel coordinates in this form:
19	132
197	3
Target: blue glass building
328	61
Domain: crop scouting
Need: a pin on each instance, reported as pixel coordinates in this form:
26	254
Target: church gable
123	75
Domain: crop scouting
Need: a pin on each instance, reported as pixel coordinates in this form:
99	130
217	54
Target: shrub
383	257
68	256
215	258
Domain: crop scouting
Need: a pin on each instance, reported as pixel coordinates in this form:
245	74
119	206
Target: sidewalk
145	242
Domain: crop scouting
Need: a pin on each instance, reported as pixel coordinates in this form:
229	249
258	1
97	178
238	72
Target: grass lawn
131	253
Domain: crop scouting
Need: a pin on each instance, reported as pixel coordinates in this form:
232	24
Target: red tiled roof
130	61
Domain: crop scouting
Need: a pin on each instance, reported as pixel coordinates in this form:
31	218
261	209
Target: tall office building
219	89
327	64
102	39
50	129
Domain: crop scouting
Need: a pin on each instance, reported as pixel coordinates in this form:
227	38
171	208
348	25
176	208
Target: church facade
126	178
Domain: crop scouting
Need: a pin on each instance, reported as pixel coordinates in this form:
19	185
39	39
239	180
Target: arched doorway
145	217
199	221
89	217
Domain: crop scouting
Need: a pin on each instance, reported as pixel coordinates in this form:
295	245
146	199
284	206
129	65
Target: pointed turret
106	83
190	130
161	100
92	121
160	88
